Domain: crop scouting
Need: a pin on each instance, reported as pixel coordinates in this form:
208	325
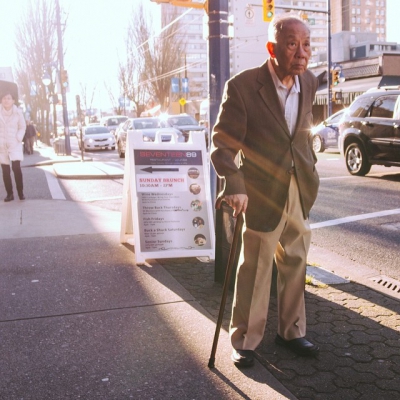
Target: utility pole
219	73
63	88
218	67
329	80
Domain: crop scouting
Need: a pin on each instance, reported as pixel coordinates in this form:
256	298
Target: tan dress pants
289	244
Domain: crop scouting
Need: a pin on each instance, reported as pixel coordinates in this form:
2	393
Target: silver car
96	137
147	127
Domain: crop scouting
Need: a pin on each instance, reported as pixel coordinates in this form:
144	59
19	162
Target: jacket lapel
270	97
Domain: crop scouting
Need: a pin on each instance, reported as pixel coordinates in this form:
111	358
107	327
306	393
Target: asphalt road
373	241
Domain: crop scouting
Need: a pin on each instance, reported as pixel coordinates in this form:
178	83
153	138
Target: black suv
369	131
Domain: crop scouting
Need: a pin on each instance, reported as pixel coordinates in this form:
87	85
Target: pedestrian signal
268	10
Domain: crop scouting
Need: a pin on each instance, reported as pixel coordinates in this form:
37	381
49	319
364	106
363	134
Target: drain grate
388	283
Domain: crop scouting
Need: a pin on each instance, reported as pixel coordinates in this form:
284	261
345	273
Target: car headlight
89	140
314	130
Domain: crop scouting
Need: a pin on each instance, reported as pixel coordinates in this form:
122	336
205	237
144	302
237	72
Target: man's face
292	50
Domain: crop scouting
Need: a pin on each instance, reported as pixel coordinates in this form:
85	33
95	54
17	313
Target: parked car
326	133
148	128
73	130
113	122
185	123
96	137
369	132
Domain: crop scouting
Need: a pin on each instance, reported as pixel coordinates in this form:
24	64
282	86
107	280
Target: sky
95	39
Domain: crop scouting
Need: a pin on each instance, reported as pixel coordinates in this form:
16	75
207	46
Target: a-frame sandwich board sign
167	210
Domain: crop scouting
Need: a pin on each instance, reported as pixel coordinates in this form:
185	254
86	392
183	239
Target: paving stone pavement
357	329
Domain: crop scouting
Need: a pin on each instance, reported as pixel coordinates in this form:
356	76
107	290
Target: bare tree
162	60
87	96
150	62
36	41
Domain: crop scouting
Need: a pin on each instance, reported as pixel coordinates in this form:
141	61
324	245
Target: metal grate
388	283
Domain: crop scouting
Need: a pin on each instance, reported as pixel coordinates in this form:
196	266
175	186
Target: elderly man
262	149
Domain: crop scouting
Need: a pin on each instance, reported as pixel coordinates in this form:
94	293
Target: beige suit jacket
252	126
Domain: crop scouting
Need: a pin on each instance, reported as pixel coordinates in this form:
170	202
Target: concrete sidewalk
79	318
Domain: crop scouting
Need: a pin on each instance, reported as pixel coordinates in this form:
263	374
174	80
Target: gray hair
278	25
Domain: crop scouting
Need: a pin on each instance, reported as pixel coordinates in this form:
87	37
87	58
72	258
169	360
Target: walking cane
228	273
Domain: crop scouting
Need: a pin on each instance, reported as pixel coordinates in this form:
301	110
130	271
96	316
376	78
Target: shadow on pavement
356	328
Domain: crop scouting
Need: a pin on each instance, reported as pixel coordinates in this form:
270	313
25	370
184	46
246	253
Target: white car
97	137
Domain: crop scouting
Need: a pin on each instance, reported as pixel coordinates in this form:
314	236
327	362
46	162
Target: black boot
9	197
21	196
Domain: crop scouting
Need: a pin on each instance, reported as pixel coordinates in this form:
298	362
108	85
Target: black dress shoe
9	197
243	358
300	346
21	196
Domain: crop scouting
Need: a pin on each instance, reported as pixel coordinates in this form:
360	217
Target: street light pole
63	88
47	81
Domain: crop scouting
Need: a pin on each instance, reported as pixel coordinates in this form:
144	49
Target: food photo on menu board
172	201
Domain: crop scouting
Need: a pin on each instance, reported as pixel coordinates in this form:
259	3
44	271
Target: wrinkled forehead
291	28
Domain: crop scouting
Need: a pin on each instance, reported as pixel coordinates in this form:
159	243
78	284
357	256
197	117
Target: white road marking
54	187
376	174
354	218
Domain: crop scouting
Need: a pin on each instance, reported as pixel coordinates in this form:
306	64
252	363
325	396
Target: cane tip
211	363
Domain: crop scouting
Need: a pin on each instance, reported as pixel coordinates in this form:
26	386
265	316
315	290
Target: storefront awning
350	89
389	80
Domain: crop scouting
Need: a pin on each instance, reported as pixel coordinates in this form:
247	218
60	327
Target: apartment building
359	16
193	56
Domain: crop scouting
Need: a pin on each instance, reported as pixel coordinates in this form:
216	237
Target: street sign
185	85
249	14
182	101
123	102
175	85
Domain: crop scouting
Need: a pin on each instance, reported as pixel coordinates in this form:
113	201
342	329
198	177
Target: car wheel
318	144
356	160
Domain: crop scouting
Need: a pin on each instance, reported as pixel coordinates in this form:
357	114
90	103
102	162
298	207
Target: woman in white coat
12	131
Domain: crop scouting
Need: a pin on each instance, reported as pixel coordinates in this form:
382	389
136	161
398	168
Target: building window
358	11
353	11
358	20
353	20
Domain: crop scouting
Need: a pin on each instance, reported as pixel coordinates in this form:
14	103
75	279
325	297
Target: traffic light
268	10
335	77
64	78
